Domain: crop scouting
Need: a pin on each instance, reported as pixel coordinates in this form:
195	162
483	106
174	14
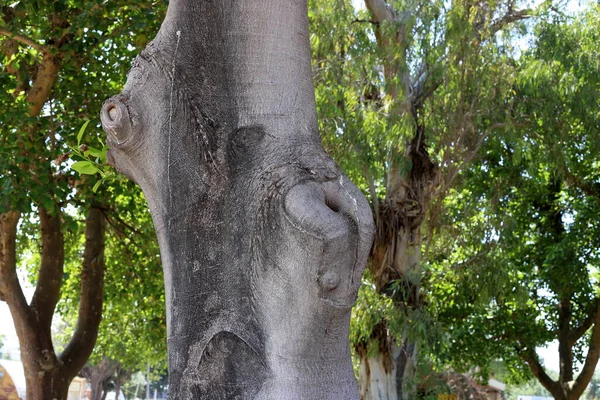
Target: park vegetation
472	127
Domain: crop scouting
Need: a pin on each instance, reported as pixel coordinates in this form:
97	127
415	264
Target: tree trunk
98	375
263	240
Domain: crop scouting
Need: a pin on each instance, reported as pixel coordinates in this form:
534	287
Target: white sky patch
358	4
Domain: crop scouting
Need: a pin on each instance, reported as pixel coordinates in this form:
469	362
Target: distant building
494	390
77	388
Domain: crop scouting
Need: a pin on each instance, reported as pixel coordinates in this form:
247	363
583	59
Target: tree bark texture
263	240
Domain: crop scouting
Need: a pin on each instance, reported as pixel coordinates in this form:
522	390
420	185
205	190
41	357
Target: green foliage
92	161
93	44
467	72
521	233
133	328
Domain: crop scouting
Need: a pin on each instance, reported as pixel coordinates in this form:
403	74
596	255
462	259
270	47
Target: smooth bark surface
263	240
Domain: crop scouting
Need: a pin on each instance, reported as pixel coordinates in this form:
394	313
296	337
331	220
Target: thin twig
365	21
24	40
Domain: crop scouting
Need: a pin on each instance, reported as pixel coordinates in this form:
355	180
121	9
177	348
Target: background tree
524	270
407	94
56	65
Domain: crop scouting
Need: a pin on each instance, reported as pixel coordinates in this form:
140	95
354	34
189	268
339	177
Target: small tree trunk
98	375
47	386
263	240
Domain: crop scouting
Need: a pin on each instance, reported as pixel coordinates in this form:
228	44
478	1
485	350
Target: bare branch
90	305
40	90
23	40
531	358
364	21
10	288
47	290
381	10
510	17
578	332
591	360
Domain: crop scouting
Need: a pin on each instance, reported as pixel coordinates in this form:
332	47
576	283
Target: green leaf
97	185
81	131
48	204
85	167
95	152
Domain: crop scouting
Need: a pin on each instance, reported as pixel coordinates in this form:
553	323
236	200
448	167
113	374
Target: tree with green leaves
407	93
57	59
522	226
132	334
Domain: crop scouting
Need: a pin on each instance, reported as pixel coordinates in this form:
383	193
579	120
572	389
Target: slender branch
23	40
365	21
509	18
591	360
90	306
530	357
10	288
589	189
373	192
40	90
579	331
47	291
473	151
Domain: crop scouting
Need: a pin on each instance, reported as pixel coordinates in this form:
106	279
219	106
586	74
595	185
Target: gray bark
263	240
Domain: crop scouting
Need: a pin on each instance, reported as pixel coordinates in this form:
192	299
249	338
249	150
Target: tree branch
47	290
364	21
591	360
426	84
372	191
10	288
589	189
23	40
579	331
40	90
510	17
92	284
530	357
381	10
466	159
